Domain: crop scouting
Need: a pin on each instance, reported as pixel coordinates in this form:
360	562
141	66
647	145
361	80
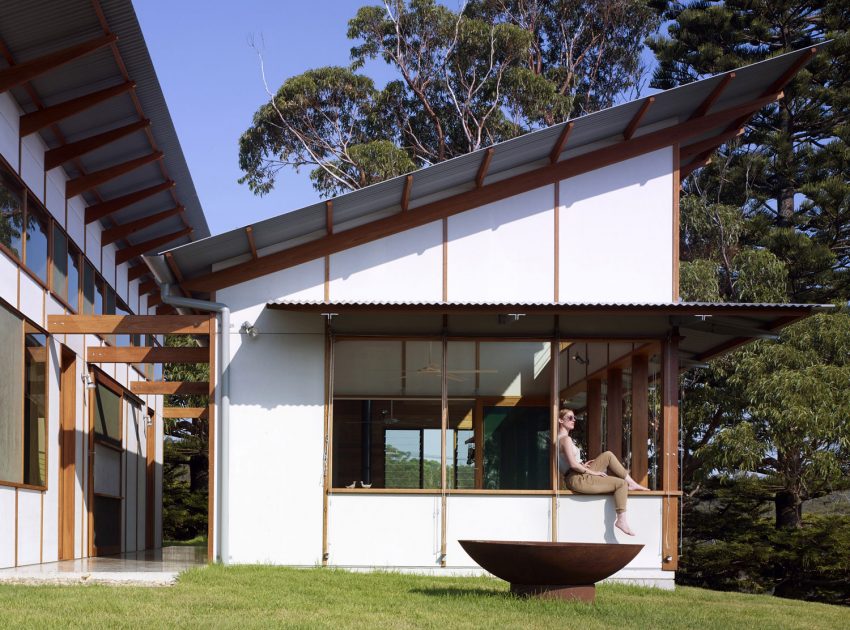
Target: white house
91	177
394	358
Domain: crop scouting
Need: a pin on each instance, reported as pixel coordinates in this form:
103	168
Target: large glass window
89	295
73	277
35	409
107	415
35	253
11	214
59	280
23	391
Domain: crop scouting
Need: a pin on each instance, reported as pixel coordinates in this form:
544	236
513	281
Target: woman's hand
596	473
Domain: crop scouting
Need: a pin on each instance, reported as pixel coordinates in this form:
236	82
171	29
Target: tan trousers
584	483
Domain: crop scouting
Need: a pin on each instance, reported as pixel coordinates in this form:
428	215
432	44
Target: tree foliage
464	79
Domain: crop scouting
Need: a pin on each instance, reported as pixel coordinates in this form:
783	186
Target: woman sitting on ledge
591	477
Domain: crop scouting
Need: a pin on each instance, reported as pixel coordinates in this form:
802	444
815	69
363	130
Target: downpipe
221	534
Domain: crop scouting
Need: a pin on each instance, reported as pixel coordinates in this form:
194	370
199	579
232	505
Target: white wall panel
55	190
29	526
158	458
93	244
584	518
494	518
9	122
384	530
276	420
32	299
53	306
141	482
616	232
108	264
81	442
76	220
131	497
504	251
121	284
248	300
405	267
7	525
8	280
32	164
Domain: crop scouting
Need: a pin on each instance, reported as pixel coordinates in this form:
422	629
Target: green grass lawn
259	597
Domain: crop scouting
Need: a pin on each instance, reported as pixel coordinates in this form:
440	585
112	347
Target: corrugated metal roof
510	158
38	27
732	306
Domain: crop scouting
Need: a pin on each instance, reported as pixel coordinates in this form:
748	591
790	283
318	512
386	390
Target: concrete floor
158	567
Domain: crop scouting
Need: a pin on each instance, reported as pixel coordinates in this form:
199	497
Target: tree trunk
789	510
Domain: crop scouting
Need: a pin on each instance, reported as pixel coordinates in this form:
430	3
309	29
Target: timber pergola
203	326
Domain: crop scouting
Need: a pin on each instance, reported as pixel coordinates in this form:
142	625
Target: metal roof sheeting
38	27
458	175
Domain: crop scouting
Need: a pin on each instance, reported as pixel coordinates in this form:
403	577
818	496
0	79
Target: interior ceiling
41	40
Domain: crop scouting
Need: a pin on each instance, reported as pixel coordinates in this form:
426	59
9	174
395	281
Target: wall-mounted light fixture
89	381
249	329
580	359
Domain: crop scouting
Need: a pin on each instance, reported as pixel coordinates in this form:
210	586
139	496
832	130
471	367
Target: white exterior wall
616	232
276	421
29	519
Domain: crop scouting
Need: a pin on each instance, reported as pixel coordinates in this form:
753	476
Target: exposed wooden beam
60	155
154	300
184	412
555	155
405	193
128	253
99	210
28	70
81	184
684	171
110	235
710	144
249	233
594	416
640	417
128	324
39	119
165	309
614	415
789	74
635	121
484	167
139	271
148	286
715	94
329	216
461	202
108	354
170	388
172	264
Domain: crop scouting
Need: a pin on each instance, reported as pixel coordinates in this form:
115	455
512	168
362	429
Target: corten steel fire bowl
547	569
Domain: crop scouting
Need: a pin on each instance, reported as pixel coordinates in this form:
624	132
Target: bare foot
623	525
634	486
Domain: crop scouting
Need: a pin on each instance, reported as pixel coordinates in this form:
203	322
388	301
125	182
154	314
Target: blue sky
211	79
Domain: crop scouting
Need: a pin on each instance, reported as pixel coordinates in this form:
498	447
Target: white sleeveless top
563	463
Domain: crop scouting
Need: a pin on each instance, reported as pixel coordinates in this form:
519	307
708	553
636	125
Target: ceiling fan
431	367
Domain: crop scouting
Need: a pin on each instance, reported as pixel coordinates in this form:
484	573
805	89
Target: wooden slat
711	99
561	143
249	233
110	235
172	265
42	118
99	210
484	167
136	272
670	452
594	418
148	286
329	216
640	417
461	202
81	184
710	144
60	155
184	412
28	70
635	121
128	253
147	355
405	194
614	418
154	300
127	324
170	388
